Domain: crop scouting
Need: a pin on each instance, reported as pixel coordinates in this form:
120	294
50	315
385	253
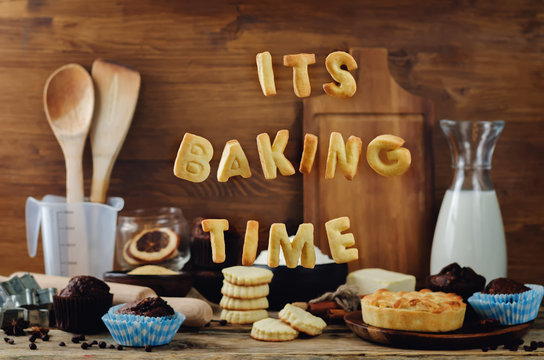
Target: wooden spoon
68	100
117	90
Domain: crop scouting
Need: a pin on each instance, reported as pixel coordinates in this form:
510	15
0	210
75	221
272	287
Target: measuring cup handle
33	221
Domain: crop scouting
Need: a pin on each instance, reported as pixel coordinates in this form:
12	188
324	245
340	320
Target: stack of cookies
292	320
244	294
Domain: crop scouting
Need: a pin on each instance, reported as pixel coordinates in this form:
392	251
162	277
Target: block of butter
370	280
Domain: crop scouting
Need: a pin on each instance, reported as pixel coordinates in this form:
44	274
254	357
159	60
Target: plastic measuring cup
78	238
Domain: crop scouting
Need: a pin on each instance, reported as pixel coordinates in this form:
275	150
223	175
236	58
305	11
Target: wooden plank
475	61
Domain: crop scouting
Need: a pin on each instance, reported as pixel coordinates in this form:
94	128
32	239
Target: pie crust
423	310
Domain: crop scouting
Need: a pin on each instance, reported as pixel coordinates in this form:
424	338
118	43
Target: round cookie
229	303
243	317
301	320
272	330
247	275
244	292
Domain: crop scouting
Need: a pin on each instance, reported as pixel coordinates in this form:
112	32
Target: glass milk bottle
469	229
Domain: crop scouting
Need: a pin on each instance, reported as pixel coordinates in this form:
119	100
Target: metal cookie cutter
22	298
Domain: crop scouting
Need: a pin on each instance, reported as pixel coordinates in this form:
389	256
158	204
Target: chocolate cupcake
453	278
505	286
201	249
151	306
508	301
81	304
146	322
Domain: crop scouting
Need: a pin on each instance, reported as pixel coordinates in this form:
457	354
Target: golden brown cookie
243	317
247	275
399	157
301	320
346	156
229	303
272	330
244	292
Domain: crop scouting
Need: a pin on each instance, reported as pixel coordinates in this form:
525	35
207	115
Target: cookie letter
216	227
251	241
302	246
399	157
272	157
338	242
346	83
266	74
347	157
193	159
308	153
233	162
301	80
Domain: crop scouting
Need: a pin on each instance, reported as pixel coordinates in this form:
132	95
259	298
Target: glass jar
469	229
157	236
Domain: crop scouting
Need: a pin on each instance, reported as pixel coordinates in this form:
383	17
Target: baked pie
422	310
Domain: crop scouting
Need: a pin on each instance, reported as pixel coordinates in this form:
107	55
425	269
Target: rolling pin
122	293
197	312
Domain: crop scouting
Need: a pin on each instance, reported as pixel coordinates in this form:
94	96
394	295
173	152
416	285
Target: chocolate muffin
505	286
201	249
85	286
151	306
462	281
80	305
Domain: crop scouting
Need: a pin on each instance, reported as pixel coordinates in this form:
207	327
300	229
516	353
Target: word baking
195	152
337	63
301	247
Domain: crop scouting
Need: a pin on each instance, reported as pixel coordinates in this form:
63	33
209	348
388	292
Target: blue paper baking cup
135	330
509	309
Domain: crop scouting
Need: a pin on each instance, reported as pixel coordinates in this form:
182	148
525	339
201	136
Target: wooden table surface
234	342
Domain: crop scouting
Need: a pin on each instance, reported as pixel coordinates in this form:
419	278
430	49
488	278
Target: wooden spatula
117	89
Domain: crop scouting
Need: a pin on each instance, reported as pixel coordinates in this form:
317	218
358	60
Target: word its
195	152
301	247
343	87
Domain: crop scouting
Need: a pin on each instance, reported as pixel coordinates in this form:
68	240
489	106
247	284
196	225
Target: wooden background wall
475	59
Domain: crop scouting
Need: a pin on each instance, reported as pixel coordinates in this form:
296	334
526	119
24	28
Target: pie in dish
423	310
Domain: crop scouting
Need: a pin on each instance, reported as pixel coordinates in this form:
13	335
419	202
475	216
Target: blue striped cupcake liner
135	330
509	309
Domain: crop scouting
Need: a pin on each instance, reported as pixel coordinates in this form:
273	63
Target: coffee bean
32	338
527	348
75	339
94	342
45	337
111	346
540	344
84	346
32	346
11	341
62	343
223	322
102	344
484	349
513	348
6	339
147	348
533	344
493	347
119	347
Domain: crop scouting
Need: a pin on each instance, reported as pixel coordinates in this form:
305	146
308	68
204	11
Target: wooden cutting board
390	217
